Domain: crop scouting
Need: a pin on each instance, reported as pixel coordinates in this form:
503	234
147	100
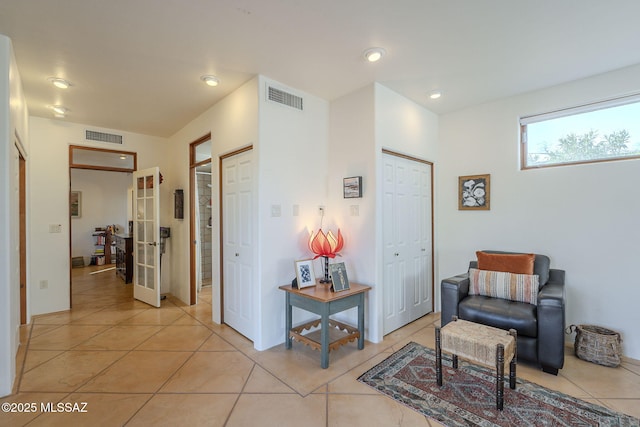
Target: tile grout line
154	393
126	352
71	349
235	403
24	361
66	394
157	391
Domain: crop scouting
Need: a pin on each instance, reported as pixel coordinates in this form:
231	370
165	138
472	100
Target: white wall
292	154
13	130
7	366
362	124
233	123
104	202
352	152
404	127
49	184
584	217
290	158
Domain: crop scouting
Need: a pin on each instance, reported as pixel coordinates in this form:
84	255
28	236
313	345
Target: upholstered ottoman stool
482	344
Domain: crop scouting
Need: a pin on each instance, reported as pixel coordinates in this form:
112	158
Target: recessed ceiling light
374	54
210	80
435	94
59	110
60	83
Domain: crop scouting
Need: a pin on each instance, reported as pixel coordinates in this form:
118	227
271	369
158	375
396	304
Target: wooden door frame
73	165
431	164
22	185
221	224
193	164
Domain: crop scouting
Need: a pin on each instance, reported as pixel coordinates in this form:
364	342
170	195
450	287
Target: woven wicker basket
598	345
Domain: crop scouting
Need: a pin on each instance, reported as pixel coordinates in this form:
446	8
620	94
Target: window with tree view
602	131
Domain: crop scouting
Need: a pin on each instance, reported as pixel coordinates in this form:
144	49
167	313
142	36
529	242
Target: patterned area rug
467	397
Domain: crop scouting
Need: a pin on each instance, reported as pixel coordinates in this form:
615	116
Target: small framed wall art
178	204
75	204
474	192
352	187
304	273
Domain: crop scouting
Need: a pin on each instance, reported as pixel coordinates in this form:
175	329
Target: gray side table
321	300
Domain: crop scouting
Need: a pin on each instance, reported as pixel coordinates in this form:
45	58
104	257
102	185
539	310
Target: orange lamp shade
325	245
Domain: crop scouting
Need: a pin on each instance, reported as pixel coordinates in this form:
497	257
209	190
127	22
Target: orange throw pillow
509	263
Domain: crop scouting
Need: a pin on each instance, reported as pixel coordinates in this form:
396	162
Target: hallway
138	366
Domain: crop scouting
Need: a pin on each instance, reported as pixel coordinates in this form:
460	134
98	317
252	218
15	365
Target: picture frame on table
304	273
339	279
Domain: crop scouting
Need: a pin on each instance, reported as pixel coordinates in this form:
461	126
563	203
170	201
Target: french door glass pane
140	254
149	231
149	209
150	258
150	284
140	187
141	278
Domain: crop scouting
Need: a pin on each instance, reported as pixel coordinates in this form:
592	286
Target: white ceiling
136	64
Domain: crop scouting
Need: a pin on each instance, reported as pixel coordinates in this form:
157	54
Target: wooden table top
322	292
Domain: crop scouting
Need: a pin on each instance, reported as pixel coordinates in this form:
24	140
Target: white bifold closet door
407	241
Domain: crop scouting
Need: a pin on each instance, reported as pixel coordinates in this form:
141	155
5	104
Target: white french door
238	243
146	236
407	241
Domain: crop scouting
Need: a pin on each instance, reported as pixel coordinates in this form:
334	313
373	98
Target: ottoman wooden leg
512	365
454	357
500	377
512	374
438	358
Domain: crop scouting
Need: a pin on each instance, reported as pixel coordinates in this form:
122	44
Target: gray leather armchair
540	327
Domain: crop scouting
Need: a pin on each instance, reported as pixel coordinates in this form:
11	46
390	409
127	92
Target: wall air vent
285	98
92	135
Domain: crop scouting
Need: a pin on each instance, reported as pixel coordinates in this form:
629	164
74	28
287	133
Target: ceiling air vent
92	135
285	98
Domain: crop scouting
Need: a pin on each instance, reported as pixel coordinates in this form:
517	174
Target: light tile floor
136	365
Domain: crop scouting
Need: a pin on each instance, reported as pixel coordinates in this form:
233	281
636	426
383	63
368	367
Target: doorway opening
200	216
100	192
